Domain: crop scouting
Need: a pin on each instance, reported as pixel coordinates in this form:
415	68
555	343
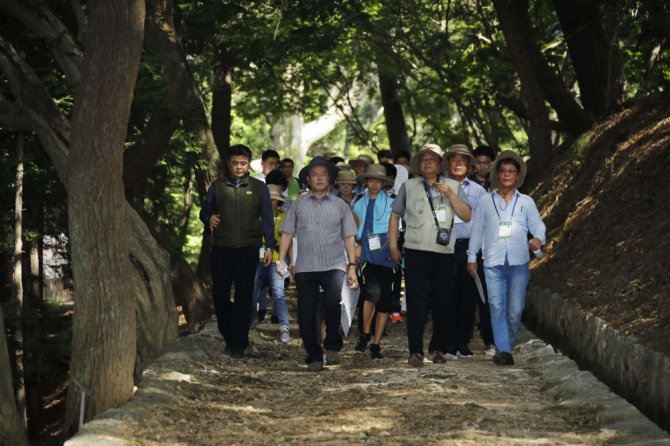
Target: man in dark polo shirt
324	228
238	211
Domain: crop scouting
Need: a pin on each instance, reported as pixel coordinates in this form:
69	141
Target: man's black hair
484	151
287	160
391	171
384	153
239	150
509	160
401	154
278	178
336	159
269	153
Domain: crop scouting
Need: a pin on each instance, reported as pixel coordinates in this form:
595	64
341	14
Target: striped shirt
320	226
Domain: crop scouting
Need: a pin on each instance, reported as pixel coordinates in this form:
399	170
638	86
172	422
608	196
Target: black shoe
375	352
363	343
464	352
261	315
274	319
315	366
503	358
237	354
332	357
439	358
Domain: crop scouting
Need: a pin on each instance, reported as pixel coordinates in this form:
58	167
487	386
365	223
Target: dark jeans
428	281
307	285
463	302
234	266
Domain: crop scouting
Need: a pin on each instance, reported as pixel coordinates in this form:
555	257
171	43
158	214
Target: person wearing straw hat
376	269
267	275
429	202
344	185
238	211
501	226
324	228
462	303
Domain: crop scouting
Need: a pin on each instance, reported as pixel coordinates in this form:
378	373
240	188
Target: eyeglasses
319	175
429	160
507	172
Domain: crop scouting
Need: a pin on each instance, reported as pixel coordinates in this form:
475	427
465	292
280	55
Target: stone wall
639	375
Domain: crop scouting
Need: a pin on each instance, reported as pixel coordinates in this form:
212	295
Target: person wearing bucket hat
238	211
429	204
500	227
317	161
324	230
462	302
359	165
376	269
267	275
346	180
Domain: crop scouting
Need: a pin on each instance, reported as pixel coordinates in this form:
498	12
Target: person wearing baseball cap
500	227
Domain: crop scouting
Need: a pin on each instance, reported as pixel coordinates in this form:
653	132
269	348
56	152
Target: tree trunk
396	128
156	314
222	100
511	14
18	282
11	429
104	339
598	72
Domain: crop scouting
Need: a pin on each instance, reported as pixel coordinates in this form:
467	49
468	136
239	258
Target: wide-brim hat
505	155
460	149
276	192
414	162
375	172
345	176
367	159
342	165
318	161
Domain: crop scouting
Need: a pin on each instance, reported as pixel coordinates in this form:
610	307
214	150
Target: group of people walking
453	223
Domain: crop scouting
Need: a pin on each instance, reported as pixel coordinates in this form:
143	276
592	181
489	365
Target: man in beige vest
429	204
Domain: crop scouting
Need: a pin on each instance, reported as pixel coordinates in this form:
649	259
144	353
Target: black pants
234	266
395	296
485	329
428	281
307	285
463	301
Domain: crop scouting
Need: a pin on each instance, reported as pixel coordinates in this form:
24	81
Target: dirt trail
196	395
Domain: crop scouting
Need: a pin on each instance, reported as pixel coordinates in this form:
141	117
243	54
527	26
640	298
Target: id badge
441	214
374	242
505	229
261	253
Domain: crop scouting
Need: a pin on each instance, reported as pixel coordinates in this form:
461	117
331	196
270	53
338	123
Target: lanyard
430	202
496	207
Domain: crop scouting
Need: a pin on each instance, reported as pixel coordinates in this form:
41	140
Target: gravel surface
197	395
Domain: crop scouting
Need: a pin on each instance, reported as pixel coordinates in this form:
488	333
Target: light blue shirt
491	210
473	191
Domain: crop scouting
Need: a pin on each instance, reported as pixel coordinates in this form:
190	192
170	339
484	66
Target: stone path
196	395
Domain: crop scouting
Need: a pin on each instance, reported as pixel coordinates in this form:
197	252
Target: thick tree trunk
511	14
104	339
11	429
396	128
598	71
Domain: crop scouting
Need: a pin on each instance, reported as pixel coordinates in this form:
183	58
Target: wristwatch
351	264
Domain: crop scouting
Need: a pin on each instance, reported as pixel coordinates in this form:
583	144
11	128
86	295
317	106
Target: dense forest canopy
114	117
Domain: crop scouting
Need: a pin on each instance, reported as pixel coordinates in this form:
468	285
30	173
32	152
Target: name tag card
374	242
505	229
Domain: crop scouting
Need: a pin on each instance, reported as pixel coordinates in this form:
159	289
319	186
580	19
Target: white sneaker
284	335
490	350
